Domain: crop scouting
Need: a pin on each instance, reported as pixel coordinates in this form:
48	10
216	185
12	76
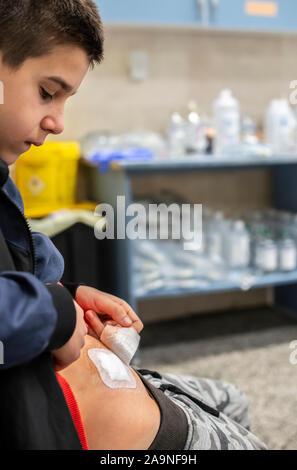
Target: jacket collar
4	172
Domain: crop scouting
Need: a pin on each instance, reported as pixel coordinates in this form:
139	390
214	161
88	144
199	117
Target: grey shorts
228	431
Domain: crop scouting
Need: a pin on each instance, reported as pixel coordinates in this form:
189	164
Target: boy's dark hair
32	28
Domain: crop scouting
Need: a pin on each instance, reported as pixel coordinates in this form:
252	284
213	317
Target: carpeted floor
248	348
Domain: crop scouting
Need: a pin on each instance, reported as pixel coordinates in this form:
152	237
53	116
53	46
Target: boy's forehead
65	65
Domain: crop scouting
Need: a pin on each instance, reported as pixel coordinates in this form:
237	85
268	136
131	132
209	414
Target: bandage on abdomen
122	341
113	364
113	372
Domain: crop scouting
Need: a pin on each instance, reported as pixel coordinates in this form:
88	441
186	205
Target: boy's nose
54	124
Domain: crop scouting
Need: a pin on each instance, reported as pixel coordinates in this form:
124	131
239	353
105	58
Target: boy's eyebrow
62	83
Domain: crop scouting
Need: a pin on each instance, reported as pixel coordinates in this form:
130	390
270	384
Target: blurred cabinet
86	258
246	15
118	182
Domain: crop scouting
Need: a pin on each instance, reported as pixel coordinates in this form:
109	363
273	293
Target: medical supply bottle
266	253
287	253
226	113
176	135
196	141
280	128
238	246
215	237
256	237
248	129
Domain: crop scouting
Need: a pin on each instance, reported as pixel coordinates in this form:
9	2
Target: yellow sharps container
46	176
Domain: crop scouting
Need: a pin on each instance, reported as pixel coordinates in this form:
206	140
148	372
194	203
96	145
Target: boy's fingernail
127	321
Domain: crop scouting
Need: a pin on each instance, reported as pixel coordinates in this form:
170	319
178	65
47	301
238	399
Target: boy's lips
29	143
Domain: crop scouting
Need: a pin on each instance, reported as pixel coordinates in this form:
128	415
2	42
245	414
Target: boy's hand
100	307
70	352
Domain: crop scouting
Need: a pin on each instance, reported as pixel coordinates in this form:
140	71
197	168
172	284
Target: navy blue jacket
36	316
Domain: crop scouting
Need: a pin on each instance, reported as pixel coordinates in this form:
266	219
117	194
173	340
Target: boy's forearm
34	317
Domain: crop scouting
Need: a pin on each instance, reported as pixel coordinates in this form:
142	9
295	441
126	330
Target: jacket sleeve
34	317
50	263
72	287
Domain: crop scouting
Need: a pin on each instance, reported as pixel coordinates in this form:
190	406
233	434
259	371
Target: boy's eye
45	95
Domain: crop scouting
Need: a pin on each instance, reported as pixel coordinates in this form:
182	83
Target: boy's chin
9	158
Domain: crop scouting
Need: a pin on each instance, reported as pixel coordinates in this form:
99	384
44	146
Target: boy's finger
128	311
94	323
91	332
108	306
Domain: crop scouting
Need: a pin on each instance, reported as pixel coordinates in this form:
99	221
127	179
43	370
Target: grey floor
248	348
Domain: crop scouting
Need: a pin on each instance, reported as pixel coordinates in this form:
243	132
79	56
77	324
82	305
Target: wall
183	64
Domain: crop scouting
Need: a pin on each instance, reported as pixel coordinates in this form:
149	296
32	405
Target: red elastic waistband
74	410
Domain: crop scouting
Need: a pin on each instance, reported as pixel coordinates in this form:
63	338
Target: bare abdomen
114	419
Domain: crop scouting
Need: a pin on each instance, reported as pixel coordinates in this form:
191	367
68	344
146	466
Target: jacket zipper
28	229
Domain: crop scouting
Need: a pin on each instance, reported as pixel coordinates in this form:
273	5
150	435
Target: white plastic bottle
248	131
176	135
215	237
287	255
266	256
195	134
257	230
280	128
238	246
226	113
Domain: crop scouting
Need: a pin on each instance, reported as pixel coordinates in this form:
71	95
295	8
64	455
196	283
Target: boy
46	49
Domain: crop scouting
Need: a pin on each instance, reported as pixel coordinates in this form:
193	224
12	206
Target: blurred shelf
266	280
201	162
142	27
118	181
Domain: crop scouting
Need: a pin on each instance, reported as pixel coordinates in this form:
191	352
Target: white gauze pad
122	341
113	372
